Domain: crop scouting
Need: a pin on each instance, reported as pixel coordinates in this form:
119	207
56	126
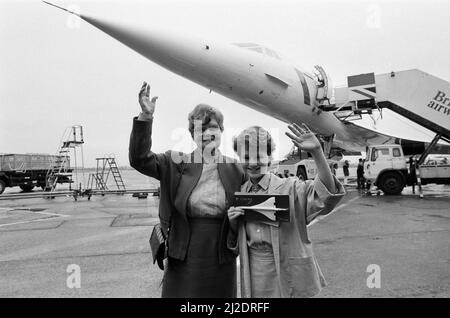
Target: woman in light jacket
277	258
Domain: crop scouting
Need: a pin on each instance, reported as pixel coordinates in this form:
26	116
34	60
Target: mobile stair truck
421	98
30	170
414	94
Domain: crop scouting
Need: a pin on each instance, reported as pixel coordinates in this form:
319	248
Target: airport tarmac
107	237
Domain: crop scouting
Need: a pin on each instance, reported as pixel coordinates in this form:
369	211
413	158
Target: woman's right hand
233	215
147	105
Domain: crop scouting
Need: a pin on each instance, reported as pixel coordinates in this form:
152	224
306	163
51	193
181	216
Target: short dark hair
260	133
204	113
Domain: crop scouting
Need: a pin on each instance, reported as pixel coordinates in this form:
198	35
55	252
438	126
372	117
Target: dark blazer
177	180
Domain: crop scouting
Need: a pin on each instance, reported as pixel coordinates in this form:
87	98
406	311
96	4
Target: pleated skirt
200	275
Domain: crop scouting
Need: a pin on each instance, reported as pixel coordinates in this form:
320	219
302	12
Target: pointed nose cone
172	51
160	46
134	37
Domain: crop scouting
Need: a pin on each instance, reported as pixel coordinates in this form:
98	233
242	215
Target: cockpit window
258	48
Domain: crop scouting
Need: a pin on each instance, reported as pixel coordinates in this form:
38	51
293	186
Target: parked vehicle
30	170
388	169
299	164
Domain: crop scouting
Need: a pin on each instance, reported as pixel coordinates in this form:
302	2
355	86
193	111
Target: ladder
105	166
60	166
57	169
99	182
116	174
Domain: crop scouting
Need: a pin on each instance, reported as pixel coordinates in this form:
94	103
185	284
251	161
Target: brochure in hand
263	207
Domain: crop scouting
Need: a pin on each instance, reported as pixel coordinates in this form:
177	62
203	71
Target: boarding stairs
414	94
72	138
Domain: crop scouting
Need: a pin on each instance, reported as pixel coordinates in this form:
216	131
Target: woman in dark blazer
196	191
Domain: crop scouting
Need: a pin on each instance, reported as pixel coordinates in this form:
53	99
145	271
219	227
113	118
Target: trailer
31	170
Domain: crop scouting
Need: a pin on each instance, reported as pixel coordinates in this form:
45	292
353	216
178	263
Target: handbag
158	245
158	241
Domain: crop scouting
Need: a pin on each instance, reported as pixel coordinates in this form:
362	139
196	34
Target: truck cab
386	167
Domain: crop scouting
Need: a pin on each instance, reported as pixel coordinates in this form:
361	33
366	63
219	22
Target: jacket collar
268	182
263	183
275	182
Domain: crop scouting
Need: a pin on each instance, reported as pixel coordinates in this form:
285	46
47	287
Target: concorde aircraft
250	74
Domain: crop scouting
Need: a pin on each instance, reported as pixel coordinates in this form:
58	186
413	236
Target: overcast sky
56	72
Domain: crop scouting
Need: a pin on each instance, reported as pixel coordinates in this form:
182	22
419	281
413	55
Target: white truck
304	169
387	168
299	164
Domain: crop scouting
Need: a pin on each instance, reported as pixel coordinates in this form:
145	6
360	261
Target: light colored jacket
299	274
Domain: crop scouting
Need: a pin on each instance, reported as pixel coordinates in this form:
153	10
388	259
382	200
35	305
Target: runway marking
54	215
30	252
45	213
320	218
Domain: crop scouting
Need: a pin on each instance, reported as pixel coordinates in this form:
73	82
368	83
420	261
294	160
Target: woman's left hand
303	138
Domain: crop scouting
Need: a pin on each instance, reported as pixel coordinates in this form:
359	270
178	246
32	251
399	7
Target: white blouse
208	198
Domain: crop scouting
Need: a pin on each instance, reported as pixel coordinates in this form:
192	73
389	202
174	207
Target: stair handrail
54	158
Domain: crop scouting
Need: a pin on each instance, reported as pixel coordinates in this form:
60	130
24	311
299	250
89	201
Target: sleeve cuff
144	117
328	199
323	191
142	123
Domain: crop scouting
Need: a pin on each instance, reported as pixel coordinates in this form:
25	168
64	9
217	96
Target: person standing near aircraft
277	258
335	168
195	191
360	175
412	173
345	168
332	169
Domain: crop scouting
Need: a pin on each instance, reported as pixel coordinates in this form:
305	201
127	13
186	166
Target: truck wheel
391	183
26	187
2	186
301	173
